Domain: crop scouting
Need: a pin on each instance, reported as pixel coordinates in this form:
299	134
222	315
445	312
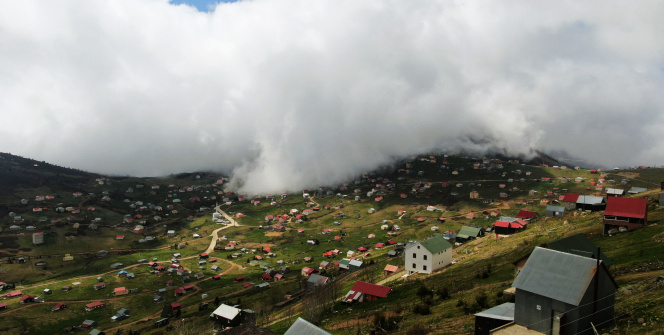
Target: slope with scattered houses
430	247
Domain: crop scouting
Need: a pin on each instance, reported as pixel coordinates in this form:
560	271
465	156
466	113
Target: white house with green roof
429	255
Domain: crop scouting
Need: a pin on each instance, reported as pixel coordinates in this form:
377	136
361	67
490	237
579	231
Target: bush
482	300
428	300
460	303
424	292
418	329
443	293
422	309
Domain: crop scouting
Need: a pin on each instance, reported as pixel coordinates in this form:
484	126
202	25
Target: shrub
443	293
482	300
422	309
418	329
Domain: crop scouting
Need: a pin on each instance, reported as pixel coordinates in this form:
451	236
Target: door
557	322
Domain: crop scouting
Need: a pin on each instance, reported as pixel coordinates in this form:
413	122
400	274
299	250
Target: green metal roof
470	231
436	244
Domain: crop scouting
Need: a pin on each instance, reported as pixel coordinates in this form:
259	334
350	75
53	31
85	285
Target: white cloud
290	94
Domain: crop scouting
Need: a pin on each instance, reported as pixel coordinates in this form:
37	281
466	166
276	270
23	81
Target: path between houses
393	277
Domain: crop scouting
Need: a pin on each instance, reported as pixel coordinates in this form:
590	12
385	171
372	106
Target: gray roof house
561	293
304	327
494	317
591	203
316	280
615	192
552	211
637	190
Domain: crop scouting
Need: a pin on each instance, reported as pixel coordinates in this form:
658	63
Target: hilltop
139	220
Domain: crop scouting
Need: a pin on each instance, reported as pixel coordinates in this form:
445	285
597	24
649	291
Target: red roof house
59	306
362	291
14	294
306	271
26	299
507	228
94	305
625	214
526	214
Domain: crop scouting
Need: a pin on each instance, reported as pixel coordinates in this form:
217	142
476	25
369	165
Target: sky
292	94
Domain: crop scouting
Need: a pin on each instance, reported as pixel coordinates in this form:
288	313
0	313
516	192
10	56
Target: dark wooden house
561	293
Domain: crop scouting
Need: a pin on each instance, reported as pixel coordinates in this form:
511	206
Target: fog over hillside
288	94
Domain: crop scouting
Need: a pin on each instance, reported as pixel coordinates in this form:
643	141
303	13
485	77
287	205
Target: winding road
215	233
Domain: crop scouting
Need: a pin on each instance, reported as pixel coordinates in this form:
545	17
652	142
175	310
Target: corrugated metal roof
500	312
304	327
226	312
589	200
636	190
371	289
436	244
526	214
627	207
555	208
556	275
470	231
619	191
571	197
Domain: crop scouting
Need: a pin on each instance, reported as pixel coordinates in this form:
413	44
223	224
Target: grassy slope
630	251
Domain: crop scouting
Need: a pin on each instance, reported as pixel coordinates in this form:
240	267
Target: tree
424	292
443	293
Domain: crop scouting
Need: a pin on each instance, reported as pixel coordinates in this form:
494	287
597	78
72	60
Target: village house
362	291
316	280
227	316
526	215
467	233
302	326
428	256
583	296
94	305
119	291
623	214
509	227
614	192
493	318
555	211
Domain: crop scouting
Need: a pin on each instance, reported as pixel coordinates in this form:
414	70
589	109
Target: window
414	255
418	247
425	257
414	266
424	267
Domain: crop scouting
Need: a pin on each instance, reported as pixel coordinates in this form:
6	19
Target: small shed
555	211
493	318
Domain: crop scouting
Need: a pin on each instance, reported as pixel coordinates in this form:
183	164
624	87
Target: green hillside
432	191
